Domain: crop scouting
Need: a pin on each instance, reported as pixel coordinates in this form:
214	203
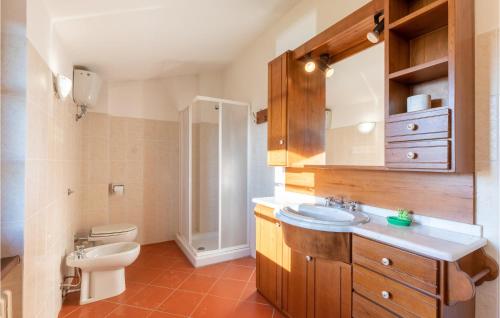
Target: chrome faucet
334	202
80	251
352	206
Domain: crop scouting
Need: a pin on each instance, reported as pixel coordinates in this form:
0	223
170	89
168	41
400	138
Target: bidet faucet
80	251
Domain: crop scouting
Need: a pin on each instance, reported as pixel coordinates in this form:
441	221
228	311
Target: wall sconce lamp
310	64
366	127
62	86
374	36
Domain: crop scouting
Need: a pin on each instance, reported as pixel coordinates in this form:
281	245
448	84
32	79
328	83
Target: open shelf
423	72
424	20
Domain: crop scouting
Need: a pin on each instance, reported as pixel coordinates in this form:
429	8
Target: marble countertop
442	242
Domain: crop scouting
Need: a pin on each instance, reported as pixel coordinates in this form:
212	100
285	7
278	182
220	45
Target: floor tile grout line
206	294
174	290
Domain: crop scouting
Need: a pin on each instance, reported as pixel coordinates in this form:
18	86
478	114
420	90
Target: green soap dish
394	220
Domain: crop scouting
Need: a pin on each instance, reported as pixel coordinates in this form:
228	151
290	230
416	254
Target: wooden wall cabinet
296	110
429	49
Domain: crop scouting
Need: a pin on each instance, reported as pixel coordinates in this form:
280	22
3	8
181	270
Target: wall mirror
354	116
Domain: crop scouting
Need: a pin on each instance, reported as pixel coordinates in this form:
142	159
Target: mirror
355	110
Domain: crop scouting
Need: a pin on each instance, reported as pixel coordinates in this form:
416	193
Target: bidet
103	269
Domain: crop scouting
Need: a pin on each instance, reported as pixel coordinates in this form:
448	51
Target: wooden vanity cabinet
269	255
295	113
300	285
316	287
391	282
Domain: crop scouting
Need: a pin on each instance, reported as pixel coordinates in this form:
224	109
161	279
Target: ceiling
143	39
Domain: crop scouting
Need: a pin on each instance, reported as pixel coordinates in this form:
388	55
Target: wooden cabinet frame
414	62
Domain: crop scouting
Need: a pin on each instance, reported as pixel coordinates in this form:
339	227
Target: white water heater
86	86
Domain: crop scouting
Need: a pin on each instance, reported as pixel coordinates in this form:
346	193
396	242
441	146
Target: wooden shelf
422	72
429	18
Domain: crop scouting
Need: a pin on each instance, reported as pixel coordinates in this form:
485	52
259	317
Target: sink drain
201	248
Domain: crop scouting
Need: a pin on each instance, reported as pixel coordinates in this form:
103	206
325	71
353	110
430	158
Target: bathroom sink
319	231
316	215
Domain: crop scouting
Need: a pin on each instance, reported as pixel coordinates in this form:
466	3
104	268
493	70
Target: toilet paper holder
116	188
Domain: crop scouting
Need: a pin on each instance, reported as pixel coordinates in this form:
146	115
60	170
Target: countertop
435	242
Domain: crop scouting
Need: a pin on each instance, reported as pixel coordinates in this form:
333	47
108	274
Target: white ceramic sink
326	218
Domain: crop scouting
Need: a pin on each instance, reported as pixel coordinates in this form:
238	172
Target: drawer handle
386	294
309	258
385	261
411	155
411	126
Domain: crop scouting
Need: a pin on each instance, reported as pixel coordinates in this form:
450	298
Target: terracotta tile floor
163	284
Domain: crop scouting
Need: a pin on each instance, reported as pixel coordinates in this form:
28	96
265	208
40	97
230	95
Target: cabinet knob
277	224
386	294
411	155
282	141
309	258
385	261
411	126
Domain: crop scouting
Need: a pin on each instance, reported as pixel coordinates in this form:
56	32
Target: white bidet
103	269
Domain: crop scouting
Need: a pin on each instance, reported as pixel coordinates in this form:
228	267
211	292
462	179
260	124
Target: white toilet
113	233
103	269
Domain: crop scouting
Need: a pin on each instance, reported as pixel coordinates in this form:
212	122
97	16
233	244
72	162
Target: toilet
103	269
113	233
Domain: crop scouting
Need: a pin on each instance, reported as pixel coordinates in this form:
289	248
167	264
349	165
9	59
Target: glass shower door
233	175
205	177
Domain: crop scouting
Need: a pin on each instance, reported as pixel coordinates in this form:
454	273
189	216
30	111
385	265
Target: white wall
40	32
158	99
246	79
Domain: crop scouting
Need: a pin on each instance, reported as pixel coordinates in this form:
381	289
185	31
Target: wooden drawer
398	298
423	125
364	308
418	155
415	270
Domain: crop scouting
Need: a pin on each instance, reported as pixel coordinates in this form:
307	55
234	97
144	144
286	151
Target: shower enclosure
213	174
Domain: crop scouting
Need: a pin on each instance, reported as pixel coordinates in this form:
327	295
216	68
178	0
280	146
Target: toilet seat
112	229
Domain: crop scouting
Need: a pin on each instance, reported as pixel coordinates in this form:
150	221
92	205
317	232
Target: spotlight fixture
310	64
374	36
325	66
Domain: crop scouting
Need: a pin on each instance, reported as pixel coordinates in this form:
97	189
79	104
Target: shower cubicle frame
203	258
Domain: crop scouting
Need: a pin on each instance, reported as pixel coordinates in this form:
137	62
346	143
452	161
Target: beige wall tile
138	151
54	164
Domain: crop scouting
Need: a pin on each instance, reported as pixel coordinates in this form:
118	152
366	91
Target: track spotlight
374	36
310	64
325	65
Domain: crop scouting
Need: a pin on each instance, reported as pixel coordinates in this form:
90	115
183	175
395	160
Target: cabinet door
332	289
268	259
295	288
277	111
